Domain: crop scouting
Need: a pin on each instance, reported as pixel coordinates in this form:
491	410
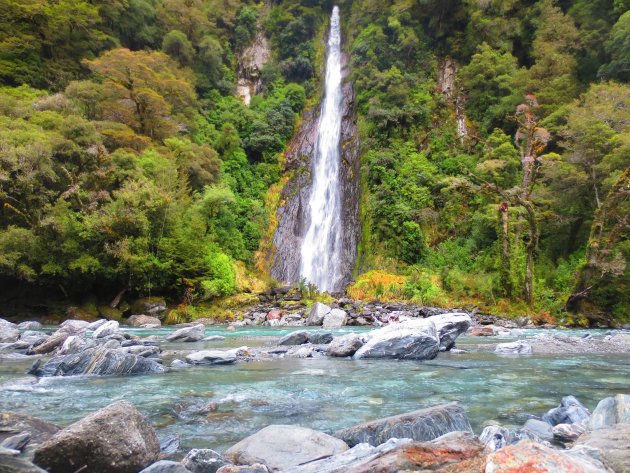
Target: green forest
128	162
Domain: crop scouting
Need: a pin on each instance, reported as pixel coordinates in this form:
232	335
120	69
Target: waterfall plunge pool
216	406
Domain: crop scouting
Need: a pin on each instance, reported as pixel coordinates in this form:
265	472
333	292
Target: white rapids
321	247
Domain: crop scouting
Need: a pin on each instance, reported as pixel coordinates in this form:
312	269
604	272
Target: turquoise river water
216	406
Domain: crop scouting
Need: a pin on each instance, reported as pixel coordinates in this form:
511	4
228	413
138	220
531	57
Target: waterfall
321	247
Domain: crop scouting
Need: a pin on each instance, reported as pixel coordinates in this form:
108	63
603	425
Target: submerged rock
611	411
346	345
97	361
203	460
188	334
570	411
283	446
409	340
317	314
422	425
294	338
518	347
335	318
115	439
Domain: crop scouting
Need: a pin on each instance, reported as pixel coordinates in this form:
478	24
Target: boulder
179	364
155	306
12	424
74	344
108	328
30	325
611	411
611	445
274	314
538	430
255	468
320	338
203	460
570	411
518	347
115	439
169	445
495	437
16	442
529	456
94	325
52	342
139	320
74	325
422	425
334	319
294	338
188	334
166	466
317	314
449	327
212	357
10	464
9	332
97	361
568	433
282	446
346	345
409	340
482	331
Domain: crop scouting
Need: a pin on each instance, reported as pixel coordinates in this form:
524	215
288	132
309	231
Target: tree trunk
504	238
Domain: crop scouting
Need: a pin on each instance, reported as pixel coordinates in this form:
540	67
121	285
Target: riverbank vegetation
495	146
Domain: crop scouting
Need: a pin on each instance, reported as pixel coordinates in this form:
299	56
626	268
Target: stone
94	325
518	347
568	433
255	468
528	456
203	460
166	466
214	338
9	332
317	314
188	334
74	326
449	327
108	328
421	425
294	338
274	314
409	340
16	442
611	445
483	331
495	437
9	464
115	439
73	344
539	429
335	318
570	411
155	306
176	363
138	320
30	325
12	424
611	411
97	361
320	338
169	445
282	446
346	345
212	357
52	342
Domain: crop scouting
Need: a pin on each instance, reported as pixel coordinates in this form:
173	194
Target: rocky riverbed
198	383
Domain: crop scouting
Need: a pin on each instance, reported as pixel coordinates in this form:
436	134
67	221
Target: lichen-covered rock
97	361
422	425
409	340
283	446
115	439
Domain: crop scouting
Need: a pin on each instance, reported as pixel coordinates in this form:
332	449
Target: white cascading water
321	247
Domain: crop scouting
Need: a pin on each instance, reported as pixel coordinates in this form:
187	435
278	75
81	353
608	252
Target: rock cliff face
293	212
447	85
250	63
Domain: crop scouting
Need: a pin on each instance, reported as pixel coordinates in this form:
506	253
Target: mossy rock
79	313
155	306
110	313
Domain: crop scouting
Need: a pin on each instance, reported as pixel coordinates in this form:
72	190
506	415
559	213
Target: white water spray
321	247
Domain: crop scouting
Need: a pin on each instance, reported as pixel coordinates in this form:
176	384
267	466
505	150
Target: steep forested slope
495	142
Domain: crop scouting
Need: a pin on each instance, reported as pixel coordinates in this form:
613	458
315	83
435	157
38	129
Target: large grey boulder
203	460
495	437
611	445
538	430
9	332
74	344
105	330
188	334
611	411
212	357
30	325
422	425
115	439
449	327
570	411
518	347
346	345
317	314
334	319
282	446
74	326
97	361
139	320
409	340
320	338
294	338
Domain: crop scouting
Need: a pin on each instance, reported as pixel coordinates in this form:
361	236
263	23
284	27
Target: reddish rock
274	314
482	332
528	456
